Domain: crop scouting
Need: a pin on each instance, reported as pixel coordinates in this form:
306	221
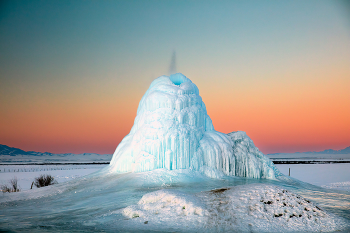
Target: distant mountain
329	155
328	151
6	150
11	155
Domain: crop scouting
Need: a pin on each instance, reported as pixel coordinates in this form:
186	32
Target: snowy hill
10	155
6	150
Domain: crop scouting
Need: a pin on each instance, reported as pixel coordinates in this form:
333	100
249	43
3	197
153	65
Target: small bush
13	187
44	180
5	188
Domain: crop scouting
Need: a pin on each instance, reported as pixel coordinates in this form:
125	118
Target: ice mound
267	208
166	203
253	208
172	130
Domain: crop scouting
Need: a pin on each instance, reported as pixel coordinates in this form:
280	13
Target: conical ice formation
172	130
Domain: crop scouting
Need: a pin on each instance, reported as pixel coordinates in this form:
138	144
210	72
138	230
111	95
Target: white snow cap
172	130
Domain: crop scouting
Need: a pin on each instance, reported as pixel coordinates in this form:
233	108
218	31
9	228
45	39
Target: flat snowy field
336	176
175	201
26	174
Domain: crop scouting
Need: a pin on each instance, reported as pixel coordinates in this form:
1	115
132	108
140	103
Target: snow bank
166	203
172	130
261	208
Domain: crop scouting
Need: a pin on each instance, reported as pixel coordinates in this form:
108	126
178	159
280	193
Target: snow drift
172	130
247	208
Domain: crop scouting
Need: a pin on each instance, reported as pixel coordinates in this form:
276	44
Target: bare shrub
44	180
13	187
5	188
14	184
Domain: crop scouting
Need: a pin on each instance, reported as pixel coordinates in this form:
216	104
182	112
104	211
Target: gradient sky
73	72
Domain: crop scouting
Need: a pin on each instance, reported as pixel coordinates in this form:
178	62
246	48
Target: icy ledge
246	208
172	130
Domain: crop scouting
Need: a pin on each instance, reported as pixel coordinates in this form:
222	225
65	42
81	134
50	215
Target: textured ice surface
172	130
179	200
257	208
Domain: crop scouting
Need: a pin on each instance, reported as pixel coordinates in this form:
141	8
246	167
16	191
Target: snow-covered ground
245	208
55	158
333	175
175	201
26	174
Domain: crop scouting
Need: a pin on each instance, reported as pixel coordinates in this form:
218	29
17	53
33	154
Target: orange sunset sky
73	72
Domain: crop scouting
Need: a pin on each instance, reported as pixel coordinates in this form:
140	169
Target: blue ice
172	130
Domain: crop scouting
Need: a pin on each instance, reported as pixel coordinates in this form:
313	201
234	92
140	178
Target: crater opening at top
178	78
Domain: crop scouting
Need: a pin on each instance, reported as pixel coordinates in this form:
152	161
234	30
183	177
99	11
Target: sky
73	72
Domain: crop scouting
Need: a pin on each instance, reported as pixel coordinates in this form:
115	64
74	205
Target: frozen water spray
172	67
172	130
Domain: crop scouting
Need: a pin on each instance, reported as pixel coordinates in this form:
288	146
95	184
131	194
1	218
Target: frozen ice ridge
172	130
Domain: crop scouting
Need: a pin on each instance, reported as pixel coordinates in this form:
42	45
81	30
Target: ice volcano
172	130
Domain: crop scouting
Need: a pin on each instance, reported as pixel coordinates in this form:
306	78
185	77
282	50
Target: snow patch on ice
166	203
255	207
